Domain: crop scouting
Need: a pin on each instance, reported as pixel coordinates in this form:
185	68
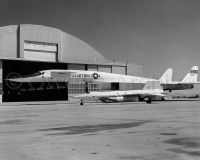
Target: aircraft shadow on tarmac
91	129
120	103
189	100
185	143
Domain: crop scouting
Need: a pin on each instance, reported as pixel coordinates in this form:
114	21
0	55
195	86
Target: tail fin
152	85
167	76
192	76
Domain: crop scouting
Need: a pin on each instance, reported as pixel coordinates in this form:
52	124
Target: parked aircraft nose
28	79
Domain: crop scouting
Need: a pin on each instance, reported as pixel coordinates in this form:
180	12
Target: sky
157	34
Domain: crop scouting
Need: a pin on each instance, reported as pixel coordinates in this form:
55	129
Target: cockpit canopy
38	73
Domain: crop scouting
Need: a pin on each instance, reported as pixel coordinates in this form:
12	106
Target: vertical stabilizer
167	76
152	85
192	76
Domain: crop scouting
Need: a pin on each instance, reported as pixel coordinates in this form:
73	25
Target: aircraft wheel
81	103
148	101
163	99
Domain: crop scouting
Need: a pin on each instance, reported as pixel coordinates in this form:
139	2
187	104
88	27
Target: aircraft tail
152	85
167	76
192	76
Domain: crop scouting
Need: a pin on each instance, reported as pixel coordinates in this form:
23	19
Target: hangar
26	49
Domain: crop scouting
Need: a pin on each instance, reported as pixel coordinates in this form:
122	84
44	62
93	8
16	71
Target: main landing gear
148	101
81	103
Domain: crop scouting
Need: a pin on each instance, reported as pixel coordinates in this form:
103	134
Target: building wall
102	68
91	67
1	79
76	66
8	42
119	69
134	70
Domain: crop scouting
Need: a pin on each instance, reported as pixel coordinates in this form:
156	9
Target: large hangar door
40	51
31	91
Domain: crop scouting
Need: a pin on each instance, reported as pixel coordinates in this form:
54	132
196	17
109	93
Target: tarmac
97	131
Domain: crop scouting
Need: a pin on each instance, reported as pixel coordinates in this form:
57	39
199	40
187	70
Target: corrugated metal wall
104	69
91	67
76	66
119	70
134	70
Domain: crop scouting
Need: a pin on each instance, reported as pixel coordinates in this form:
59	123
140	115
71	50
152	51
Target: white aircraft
187	82
151	90
93	76
80	75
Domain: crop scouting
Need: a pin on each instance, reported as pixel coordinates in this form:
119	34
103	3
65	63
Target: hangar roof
70	48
